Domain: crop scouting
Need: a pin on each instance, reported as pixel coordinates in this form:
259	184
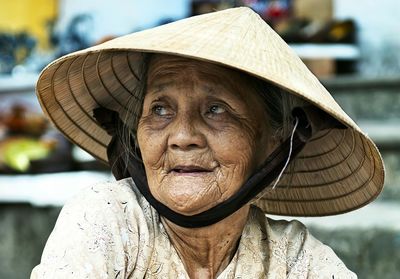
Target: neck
207	251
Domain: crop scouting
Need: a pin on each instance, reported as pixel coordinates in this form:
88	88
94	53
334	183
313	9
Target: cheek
153	156
151	145
237	154
242	150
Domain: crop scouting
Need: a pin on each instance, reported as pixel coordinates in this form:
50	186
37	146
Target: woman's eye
160	110
215	109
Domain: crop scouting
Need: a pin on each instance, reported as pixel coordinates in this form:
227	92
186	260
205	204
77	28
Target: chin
187	195
189	205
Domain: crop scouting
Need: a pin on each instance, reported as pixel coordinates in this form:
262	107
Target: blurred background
352	46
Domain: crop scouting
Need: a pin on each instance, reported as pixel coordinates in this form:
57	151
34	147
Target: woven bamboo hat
338	170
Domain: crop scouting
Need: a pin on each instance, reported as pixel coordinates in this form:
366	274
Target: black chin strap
123	166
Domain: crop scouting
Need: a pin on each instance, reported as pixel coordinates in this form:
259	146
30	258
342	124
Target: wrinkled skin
201	136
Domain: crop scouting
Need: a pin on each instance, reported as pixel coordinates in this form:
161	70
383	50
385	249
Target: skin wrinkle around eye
229	144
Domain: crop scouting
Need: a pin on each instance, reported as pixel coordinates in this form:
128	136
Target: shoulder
290	230
114	208
96	232
303	252
280	231
105	193
111	199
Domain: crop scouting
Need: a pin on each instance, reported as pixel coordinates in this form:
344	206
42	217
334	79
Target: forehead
167	69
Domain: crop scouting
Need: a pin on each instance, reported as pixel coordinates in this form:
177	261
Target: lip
189	170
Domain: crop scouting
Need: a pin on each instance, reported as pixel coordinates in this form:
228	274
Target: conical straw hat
339	169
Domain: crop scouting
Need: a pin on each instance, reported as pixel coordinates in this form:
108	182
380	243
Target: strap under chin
123	165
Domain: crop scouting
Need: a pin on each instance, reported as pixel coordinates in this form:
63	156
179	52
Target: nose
186	133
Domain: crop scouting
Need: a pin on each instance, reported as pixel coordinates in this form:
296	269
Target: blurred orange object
21	121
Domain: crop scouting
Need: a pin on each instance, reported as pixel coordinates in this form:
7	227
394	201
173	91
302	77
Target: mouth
189	170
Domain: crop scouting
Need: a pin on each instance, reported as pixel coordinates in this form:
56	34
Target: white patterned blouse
111	231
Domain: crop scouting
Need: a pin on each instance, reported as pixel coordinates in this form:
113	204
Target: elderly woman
207	123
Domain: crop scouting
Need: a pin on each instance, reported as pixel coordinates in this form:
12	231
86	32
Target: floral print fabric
110	231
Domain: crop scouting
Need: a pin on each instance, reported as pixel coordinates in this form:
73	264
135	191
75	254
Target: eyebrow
159	86
209	87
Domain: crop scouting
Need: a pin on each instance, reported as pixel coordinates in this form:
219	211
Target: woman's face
201	133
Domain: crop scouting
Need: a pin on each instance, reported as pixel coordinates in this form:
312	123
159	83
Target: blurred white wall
378	25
